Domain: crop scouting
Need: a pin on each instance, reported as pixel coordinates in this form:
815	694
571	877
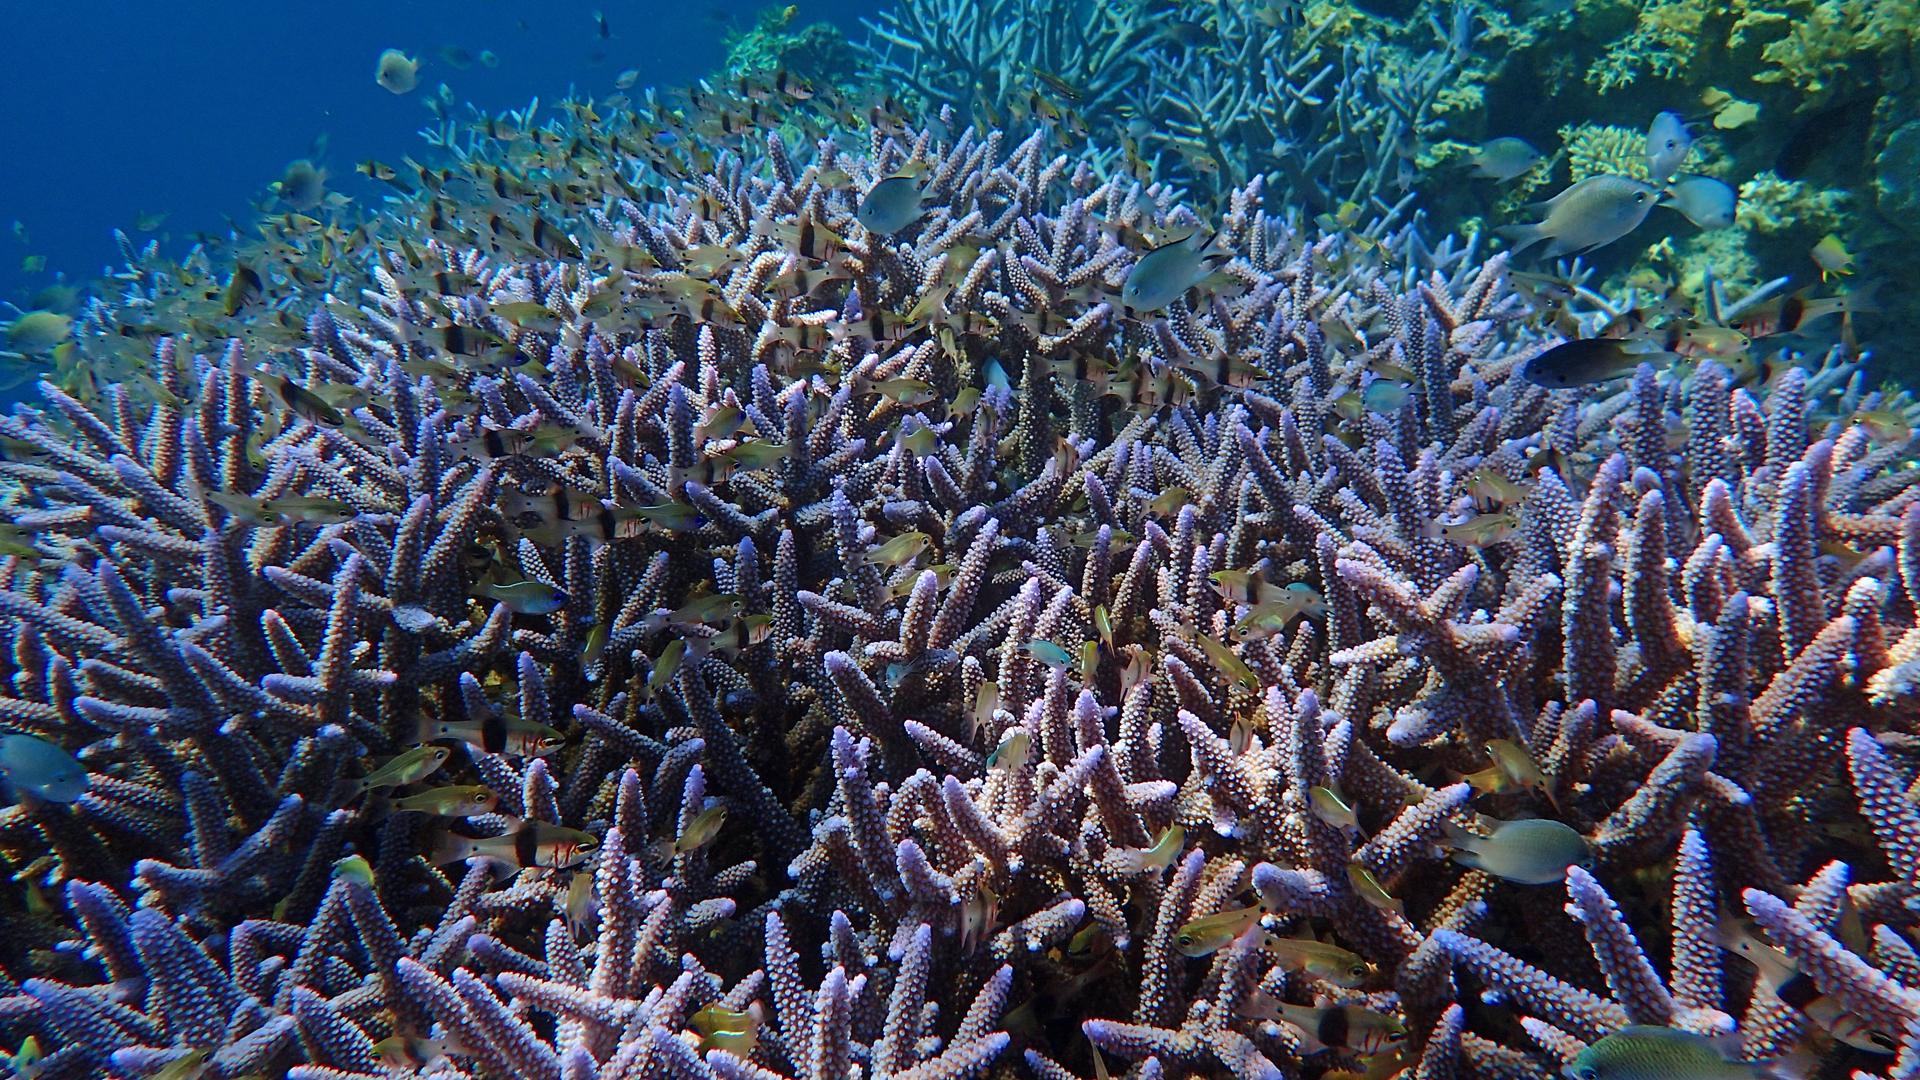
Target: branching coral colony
852	655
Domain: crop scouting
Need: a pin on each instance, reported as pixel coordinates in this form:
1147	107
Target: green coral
1825	42
818	53
1596	149
1666	41
1769	204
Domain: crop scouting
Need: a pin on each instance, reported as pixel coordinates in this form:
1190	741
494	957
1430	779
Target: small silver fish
35	765
1164	274
1504	158
1706	202
1590	214
1535	851
397	73
1668	144
890	205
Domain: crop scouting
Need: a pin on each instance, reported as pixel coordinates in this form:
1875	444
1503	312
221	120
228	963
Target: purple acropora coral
834	654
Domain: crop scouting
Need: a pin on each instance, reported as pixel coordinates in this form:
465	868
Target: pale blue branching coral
784	826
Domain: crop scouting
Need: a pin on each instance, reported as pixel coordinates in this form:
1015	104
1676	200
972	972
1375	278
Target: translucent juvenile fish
1012	751
1884	425
1492	491
1832	257
34	765
1170	501
526	597
410	767
529	843
1504	158
396	72
1229	664
1332	809
1586	361
1658	1053
708	610
701	830
1368	888
1706	202
1592	213
665	666
1049	654
899	551
1211	933
1518	766
1534	851
1328	963
1480	530
890	205
1668	144
736	636
461	800
1166	848
1164	274
282	511
1277	608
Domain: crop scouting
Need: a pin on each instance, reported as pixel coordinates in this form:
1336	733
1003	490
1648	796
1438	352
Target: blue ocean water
118	109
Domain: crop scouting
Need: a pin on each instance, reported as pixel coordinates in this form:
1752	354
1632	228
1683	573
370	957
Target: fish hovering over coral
1533	851
1590	214
1504	158
1669	141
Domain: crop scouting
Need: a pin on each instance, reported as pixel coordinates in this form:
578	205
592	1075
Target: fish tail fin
1522	236
451	847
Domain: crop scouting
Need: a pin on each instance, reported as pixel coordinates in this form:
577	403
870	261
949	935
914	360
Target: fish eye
1396	1036
1587	1072
1883	1040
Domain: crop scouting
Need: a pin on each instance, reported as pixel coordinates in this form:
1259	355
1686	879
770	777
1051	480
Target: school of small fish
660	596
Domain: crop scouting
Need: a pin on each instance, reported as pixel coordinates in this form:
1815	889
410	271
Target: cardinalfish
942	577
979	913
1166	848
1335	1027
495	734
986	700
1782	976
1211	933
899	551
706	611
1884	425
1479	531
665	666
410	767
269	513
1277	609
1788	314
528	843
1491	491
460	800
1330	964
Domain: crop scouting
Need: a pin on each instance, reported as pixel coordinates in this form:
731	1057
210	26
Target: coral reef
868	645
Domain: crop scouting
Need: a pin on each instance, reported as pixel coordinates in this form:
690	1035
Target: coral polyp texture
852	655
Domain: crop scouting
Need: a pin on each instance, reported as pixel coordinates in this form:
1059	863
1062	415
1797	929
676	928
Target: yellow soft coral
1769	204
1593	149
